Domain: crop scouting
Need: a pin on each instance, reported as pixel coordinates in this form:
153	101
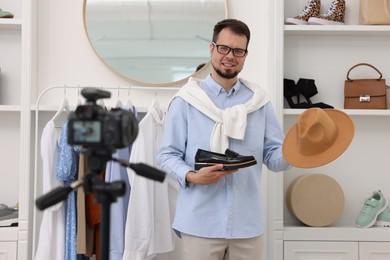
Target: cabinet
321	250
325	53
374	250
8	244
337	250
8	250
15	82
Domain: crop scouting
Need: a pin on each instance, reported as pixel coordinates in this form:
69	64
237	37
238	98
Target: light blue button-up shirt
232	207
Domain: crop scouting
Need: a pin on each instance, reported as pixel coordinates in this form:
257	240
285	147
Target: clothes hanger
64	107
118	103
78	96
128	101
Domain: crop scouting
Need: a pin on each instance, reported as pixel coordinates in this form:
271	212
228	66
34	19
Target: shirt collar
216	89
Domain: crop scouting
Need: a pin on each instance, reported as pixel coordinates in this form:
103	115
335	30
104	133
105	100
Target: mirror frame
140	83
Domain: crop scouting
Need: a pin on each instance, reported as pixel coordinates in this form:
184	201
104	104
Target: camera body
91	126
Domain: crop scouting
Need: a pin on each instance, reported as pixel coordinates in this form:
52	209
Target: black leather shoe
230	160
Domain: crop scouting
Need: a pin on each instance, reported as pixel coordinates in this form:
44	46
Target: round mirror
152	42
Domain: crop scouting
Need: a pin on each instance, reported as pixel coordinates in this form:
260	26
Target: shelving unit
8	244
15	85
10	74
325	53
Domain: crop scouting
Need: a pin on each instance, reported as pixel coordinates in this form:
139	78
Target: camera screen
87	131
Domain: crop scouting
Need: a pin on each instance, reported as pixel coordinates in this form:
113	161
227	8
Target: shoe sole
230	166
295	21
376	216
382	224
319	21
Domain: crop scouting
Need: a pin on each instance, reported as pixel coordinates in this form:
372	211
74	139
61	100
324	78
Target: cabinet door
8	250
295	250
374	250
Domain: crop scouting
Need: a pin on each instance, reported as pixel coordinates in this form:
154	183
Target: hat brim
346	130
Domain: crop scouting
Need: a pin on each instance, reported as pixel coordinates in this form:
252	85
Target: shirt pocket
254	137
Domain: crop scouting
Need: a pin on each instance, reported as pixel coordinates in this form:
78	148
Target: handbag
365	93
374	12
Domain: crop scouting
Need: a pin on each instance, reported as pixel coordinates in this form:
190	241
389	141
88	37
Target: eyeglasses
223	49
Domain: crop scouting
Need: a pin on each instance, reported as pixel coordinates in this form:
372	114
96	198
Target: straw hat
318	137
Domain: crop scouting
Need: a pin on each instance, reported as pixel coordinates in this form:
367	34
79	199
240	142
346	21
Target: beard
229	74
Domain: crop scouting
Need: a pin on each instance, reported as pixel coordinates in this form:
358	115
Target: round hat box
316	200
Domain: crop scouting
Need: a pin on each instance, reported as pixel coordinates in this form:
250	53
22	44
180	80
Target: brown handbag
374	12
365	93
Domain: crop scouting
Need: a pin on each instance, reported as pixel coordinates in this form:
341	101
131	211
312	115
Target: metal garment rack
35	228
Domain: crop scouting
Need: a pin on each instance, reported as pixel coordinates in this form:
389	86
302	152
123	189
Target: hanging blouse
67	167
52	231
116	172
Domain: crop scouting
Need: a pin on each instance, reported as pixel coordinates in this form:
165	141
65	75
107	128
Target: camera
91	126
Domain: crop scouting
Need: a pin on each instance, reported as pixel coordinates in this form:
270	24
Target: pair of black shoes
230	160
304	87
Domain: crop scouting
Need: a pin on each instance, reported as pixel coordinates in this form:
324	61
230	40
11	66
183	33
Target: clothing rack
35	228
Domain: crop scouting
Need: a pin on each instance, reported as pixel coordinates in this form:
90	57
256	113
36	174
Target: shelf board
9	108
13	23
351	112
305	233
337	30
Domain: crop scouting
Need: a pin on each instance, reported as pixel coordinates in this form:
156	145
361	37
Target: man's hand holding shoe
208	175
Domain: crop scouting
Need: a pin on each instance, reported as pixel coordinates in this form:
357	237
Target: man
218	212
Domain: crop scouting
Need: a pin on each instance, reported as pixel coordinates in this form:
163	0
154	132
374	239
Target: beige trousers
196	248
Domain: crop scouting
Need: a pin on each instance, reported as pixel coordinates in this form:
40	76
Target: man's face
228	66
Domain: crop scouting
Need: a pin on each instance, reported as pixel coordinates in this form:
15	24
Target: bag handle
363	64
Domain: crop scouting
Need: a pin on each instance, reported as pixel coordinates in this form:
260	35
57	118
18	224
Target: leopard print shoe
312	9
334	16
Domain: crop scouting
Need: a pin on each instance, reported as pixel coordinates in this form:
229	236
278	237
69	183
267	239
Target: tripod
106	193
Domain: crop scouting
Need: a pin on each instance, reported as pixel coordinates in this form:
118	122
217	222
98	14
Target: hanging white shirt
51	243
148	225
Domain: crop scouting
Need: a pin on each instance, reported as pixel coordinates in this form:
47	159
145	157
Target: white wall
65	56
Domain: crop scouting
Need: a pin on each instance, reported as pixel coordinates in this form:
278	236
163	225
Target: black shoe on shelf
307	88
290	92
230	160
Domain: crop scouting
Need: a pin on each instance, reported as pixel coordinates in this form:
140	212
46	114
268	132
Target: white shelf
9	108
325	53
336	234
14	24
351	112
337	30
